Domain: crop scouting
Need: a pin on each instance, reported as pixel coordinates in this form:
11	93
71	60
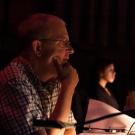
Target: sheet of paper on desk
98	109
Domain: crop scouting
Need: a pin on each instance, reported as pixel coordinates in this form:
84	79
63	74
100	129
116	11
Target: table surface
105	134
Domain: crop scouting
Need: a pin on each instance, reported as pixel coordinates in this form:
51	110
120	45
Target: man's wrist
68	88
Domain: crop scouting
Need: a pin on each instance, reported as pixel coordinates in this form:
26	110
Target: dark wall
94	22
98	28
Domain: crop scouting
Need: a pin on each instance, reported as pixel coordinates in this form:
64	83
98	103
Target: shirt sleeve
19	105
71	118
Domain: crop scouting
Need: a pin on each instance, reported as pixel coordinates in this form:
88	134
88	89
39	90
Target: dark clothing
100	94
79	106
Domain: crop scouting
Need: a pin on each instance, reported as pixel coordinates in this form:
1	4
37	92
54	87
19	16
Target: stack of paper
98	109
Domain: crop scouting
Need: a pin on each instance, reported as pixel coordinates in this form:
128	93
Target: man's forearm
55	131
70	131
63	105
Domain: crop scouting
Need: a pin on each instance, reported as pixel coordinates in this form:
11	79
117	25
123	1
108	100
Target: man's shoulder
13	72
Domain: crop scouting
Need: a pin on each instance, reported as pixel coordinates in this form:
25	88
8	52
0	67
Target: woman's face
109	73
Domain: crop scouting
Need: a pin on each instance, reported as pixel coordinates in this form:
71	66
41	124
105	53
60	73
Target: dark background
97	28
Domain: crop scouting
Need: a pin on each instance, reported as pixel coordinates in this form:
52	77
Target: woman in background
104	74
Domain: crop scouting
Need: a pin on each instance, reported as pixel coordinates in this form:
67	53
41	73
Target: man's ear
37	47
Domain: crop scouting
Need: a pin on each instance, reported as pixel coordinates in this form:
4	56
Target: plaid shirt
23	97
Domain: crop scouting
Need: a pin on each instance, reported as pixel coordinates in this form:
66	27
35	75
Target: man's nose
70	50
114	74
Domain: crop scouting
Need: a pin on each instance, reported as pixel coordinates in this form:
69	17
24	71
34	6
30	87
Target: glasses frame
67	43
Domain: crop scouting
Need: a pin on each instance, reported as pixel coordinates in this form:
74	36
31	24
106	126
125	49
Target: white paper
98	109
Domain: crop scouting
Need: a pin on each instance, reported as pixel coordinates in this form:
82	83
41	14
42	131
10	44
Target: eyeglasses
66	43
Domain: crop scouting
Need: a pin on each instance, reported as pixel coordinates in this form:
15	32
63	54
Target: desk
105	134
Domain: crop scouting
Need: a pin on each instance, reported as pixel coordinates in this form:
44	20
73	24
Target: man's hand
67	74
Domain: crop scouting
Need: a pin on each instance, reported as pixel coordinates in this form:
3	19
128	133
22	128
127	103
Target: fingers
62	70
66	73
58	66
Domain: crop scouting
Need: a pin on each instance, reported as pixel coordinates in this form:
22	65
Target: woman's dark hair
101	65
98	67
